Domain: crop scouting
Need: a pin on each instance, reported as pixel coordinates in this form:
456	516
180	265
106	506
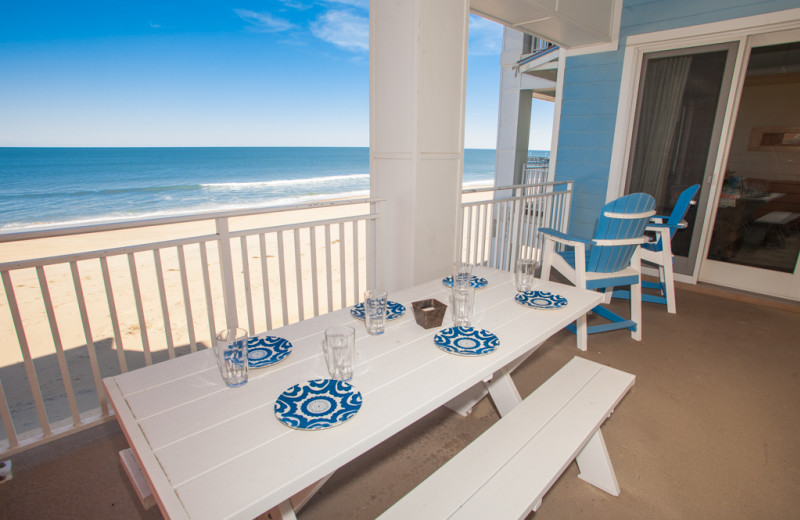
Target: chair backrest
621	219
682	207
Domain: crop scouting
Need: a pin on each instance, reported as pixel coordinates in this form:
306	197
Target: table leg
503	391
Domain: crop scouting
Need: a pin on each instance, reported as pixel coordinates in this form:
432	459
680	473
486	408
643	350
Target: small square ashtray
429	313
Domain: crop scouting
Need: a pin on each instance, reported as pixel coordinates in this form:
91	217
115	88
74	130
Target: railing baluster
187	302
248	292
62	360
342	272
282	278
328	268
137	296
112	313
87	332
8	422
212	326
356	271
162	293
262	242
312	230
226	270
298	270
33	382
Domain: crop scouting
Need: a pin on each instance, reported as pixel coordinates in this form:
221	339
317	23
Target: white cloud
264	22
485	36
343	29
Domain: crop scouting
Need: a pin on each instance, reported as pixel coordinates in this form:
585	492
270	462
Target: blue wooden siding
591	94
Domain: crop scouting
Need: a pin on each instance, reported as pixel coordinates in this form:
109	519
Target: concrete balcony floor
710	430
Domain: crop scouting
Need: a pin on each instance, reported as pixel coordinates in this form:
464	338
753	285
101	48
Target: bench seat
506	471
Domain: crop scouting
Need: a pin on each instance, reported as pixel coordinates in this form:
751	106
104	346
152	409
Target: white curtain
659	117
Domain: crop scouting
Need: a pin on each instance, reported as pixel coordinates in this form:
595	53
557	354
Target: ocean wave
285	182
109	219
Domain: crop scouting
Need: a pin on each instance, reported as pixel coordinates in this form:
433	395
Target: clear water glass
462	274
230	351
339	348
463	301
525	274
375	301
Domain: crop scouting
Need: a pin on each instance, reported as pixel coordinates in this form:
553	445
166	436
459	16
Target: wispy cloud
264	22
344	29
485	36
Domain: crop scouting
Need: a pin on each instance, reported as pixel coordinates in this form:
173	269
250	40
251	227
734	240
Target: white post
514	112
226	269
418	62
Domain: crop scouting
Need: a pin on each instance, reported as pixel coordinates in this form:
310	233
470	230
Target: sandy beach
126	347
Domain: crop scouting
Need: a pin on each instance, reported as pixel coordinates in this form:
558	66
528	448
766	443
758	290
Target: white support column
514	113
418	61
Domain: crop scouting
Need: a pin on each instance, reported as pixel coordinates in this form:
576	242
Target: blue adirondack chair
659	252
610	259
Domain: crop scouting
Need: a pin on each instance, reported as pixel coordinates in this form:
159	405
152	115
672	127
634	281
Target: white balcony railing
503	224
71	319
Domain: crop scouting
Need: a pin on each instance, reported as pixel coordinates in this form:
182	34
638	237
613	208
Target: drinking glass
463	301
525	274
375	310
339	348
230	351
462	274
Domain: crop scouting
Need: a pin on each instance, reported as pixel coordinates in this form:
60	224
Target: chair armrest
563	238
658	219
653	226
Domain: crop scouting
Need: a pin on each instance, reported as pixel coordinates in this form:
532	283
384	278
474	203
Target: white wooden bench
506	471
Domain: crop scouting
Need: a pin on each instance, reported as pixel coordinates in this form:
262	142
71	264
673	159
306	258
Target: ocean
45	187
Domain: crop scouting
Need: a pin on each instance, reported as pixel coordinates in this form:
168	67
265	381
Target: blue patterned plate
263	351
393	310
475	282
466	341
541	300
317	404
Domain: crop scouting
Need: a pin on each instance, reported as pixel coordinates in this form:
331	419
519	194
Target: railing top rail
517	186
138	248
177	219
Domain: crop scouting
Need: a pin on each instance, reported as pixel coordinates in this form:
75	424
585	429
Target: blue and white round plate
393	310
263	351
541	300
318	404
475	281
466	341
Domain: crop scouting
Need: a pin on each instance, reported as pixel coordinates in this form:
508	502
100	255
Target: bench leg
503	392
283	511
595	465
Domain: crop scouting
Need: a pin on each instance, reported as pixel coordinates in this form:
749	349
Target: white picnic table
212	452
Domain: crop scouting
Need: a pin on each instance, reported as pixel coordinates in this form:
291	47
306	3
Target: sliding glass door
679	115
755	239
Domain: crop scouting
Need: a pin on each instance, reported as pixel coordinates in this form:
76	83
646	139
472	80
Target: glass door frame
764	281
745	31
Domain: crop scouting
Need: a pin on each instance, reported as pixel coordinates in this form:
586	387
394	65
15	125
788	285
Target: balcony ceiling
567	23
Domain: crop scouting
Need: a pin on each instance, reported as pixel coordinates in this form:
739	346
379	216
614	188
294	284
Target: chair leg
669	286
636	310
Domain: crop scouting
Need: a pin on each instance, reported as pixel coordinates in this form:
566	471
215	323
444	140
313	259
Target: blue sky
209	73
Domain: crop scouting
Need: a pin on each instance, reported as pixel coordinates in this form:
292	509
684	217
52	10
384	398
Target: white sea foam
285	182
126	217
